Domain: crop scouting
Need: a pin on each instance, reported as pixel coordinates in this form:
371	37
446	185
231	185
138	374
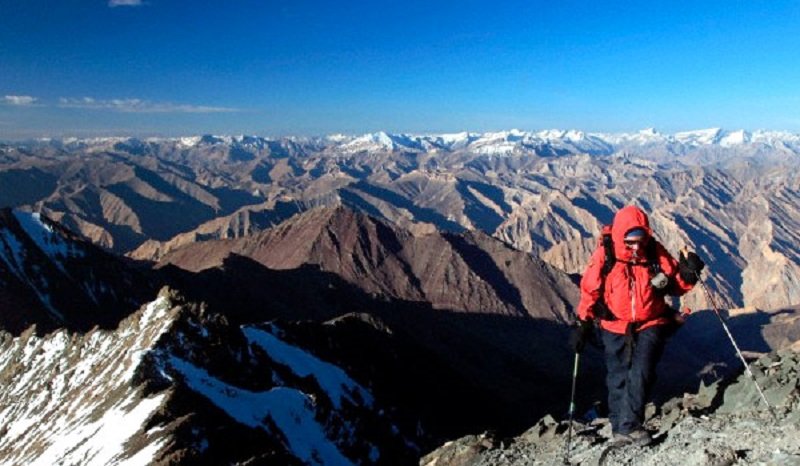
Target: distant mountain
732	195
493	320
468	272
496	143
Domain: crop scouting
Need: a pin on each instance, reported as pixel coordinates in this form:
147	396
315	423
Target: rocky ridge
177	384
339	285
483	310
722	424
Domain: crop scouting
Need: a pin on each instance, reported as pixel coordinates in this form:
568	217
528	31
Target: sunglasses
634	242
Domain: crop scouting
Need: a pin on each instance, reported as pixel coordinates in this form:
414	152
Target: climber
623	290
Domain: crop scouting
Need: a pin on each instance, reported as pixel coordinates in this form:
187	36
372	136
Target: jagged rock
669	420
461	452
691	431
177	384
712	456
707	394
774	374
544	430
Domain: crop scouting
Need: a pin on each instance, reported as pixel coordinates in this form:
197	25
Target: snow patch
190	141
330	377
103	441
290	409
46	239
735	138
699	137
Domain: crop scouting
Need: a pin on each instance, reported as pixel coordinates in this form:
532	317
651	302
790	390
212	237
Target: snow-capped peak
699	137
190	141
382	141
496	142
734	138
337	137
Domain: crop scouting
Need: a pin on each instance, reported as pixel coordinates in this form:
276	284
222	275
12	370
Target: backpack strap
601	308
611	258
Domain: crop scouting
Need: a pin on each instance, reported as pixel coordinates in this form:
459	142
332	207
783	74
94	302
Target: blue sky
164	67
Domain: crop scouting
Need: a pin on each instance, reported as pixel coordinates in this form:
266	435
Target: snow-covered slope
173	384
70	399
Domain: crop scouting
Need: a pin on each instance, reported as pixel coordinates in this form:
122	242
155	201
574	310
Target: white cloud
21	100
138	106
115	3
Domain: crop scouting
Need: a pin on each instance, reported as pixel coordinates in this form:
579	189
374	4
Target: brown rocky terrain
468	272
730	195
346	288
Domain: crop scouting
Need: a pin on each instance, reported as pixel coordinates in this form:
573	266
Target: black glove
583	333
689	266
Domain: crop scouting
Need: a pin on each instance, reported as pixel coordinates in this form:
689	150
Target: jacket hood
626	219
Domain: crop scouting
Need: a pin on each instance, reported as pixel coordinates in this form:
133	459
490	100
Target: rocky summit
724	423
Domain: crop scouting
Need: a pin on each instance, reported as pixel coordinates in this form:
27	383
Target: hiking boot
638	437
641	437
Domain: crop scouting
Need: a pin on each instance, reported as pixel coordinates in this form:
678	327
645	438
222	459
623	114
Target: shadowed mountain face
470	272
486	312
732	196
451	372
51	278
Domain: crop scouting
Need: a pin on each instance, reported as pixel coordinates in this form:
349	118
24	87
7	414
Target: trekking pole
572	407
714	306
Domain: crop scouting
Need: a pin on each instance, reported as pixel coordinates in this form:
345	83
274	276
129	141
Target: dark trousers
631	374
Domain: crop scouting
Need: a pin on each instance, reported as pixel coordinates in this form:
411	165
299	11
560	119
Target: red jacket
628	293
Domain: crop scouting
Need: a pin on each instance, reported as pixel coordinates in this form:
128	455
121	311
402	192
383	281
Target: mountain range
730	195
501	142
355	299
